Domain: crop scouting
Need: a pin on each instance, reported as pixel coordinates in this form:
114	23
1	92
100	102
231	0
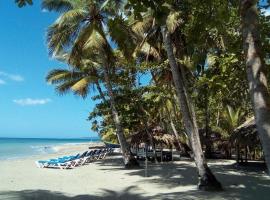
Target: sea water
13	148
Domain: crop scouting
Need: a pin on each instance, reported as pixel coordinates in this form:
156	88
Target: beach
106	179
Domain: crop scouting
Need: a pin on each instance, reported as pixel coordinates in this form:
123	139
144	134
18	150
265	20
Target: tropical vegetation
189	67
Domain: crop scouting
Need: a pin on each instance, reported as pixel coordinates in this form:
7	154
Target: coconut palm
80	32
158	37
232	118
256	73
78	80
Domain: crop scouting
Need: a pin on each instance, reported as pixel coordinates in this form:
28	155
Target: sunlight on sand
106	179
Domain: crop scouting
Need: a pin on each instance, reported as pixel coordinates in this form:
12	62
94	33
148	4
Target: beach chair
92	156
87	158
63	162
54	164
97	154
77	161
66	158
103	153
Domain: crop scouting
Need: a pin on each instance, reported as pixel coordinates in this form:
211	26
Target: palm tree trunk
129	160
256	73
180	148
207	180
179	145
100	91
150	136
208	143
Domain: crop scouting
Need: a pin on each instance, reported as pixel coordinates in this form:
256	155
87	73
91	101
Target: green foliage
206	38
232	118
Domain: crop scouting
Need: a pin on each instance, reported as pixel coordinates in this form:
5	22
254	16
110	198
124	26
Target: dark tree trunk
129	160
208	144
256	73
237	153
179	146
100	91
207	180
150	136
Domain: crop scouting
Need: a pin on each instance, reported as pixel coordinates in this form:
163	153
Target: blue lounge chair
62	163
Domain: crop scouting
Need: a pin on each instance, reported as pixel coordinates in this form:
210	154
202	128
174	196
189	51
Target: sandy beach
106	179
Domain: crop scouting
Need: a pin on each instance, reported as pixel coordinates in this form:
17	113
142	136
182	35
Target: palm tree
149	27
80	32
77	80
207	179
256	73
232	118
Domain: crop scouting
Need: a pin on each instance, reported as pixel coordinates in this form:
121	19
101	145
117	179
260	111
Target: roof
159	137
246	133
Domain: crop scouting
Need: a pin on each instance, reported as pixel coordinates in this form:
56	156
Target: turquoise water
13	148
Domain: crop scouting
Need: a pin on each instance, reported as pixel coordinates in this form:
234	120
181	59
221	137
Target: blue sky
28	106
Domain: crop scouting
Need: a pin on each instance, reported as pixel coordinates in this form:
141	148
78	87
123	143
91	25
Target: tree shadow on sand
52	195
243	183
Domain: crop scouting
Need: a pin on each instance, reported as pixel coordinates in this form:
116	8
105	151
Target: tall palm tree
207	179
149	30
256	73
80	31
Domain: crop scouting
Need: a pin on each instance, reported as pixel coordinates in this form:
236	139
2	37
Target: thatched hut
152	142
159	138
246	141
214	145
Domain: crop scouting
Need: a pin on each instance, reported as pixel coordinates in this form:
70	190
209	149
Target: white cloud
44	10
266	12
16	77
13	77
31	102
2	82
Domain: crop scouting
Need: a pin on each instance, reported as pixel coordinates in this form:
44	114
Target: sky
29	107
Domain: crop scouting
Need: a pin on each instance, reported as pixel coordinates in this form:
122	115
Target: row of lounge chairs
72	161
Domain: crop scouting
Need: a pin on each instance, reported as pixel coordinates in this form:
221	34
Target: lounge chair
88	157
95	155
63	162
54	163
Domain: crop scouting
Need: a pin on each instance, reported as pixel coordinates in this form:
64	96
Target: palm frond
22	3
123	35
61	35
58	5
173	21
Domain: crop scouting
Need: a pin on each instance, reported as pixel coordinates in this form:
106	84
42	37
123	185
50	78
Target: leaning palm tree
79	31
149	32
256	72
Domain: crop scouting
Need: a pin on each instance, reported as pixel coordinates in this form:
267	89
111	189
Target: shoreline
57	149
107	179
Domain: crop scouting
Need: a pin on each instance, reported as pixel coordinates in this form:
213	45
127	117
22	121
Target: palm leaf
58	5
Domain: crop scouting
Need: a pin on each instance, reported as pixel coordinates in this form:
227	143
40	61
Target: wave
43	149
19	148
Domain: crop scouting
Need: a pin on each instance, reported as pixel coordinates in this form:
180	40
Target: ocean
14	148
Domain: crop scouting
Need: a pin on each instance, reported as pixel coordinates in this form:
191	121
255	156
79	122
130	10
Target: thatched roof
159	137
246	133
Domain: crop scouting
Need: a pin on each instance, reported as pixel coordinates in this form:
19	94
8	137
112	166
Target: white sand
106	179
